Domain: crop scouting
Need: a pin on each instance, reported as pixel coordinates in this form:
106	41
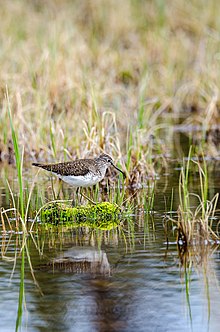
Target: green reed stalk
204	185
183	187
149	198
18	157
19	166
119	194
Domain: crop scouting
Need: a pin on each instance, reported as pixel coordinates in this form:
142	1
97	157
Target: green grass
196	210
18	159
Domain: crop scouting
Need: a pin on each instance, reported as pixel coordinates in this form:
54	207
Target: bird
81	172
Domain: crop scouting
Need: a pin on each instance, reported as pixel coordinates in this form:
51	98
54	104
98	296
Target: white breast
81	181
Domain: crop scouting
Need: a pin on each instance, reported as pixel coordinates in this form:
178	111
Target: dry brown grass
78	73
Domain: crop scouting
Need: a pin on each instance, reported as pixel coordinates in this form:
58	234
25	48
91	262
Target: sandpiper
81	172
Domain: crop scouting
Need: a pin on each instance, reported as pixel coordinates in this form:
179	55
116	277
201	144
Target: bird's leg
92	194
75	200
53	191
77	195
60	188
86	197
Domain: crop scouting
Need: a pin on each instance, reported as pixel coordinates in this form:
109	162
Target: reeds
21	216
195	223
18	158
21	207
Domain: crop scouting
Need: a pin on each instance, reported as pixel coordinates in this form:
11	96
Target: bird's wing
75	168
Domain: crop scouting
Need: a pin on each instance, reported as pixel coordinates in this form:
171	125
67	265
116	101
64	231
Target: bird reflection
80	260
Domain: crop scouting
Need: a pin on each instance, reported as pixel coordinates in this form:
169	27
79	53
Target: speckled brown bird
81	172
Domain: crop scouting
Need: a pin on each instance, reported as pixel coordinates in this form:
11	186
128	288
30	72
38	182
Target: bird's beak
118	169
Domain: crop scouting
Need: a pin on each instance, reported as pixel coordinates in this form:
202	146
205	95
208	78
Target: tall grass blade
18	156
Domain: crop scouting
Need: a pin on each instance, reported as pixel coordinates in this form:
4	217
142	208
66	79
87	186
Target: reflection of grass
21	292
197	258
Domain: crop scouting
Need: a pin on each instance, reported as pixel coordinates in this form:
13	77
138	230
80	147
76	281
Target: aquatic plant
102	215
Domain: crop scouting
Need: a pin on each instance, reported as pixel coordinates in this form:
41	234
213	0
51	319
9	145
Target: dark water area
112	280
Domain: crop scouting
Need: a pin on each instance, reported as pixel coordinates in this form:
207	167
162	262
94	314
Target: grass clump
103	215
195	222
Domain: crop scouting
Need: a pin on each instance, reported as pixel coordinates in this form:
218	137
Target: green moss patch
102	215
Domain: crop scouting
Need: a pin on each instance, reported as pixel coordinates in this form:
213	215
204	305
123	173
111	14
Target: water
111	282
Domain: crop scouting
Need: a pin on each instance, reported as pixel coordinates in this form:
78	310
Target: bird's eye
109	160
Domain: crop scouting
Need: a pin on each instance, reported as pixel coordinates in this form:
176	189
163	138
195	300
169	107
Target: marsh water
135	280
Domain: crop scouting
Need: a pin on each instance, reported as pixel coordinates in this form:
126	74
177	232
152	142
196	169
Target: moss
102	215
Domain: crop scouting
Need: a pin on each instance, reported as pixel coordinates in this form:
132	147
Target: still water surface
116	283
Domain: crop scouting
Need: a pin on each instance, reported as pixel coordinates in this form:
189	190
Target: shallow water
113	282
